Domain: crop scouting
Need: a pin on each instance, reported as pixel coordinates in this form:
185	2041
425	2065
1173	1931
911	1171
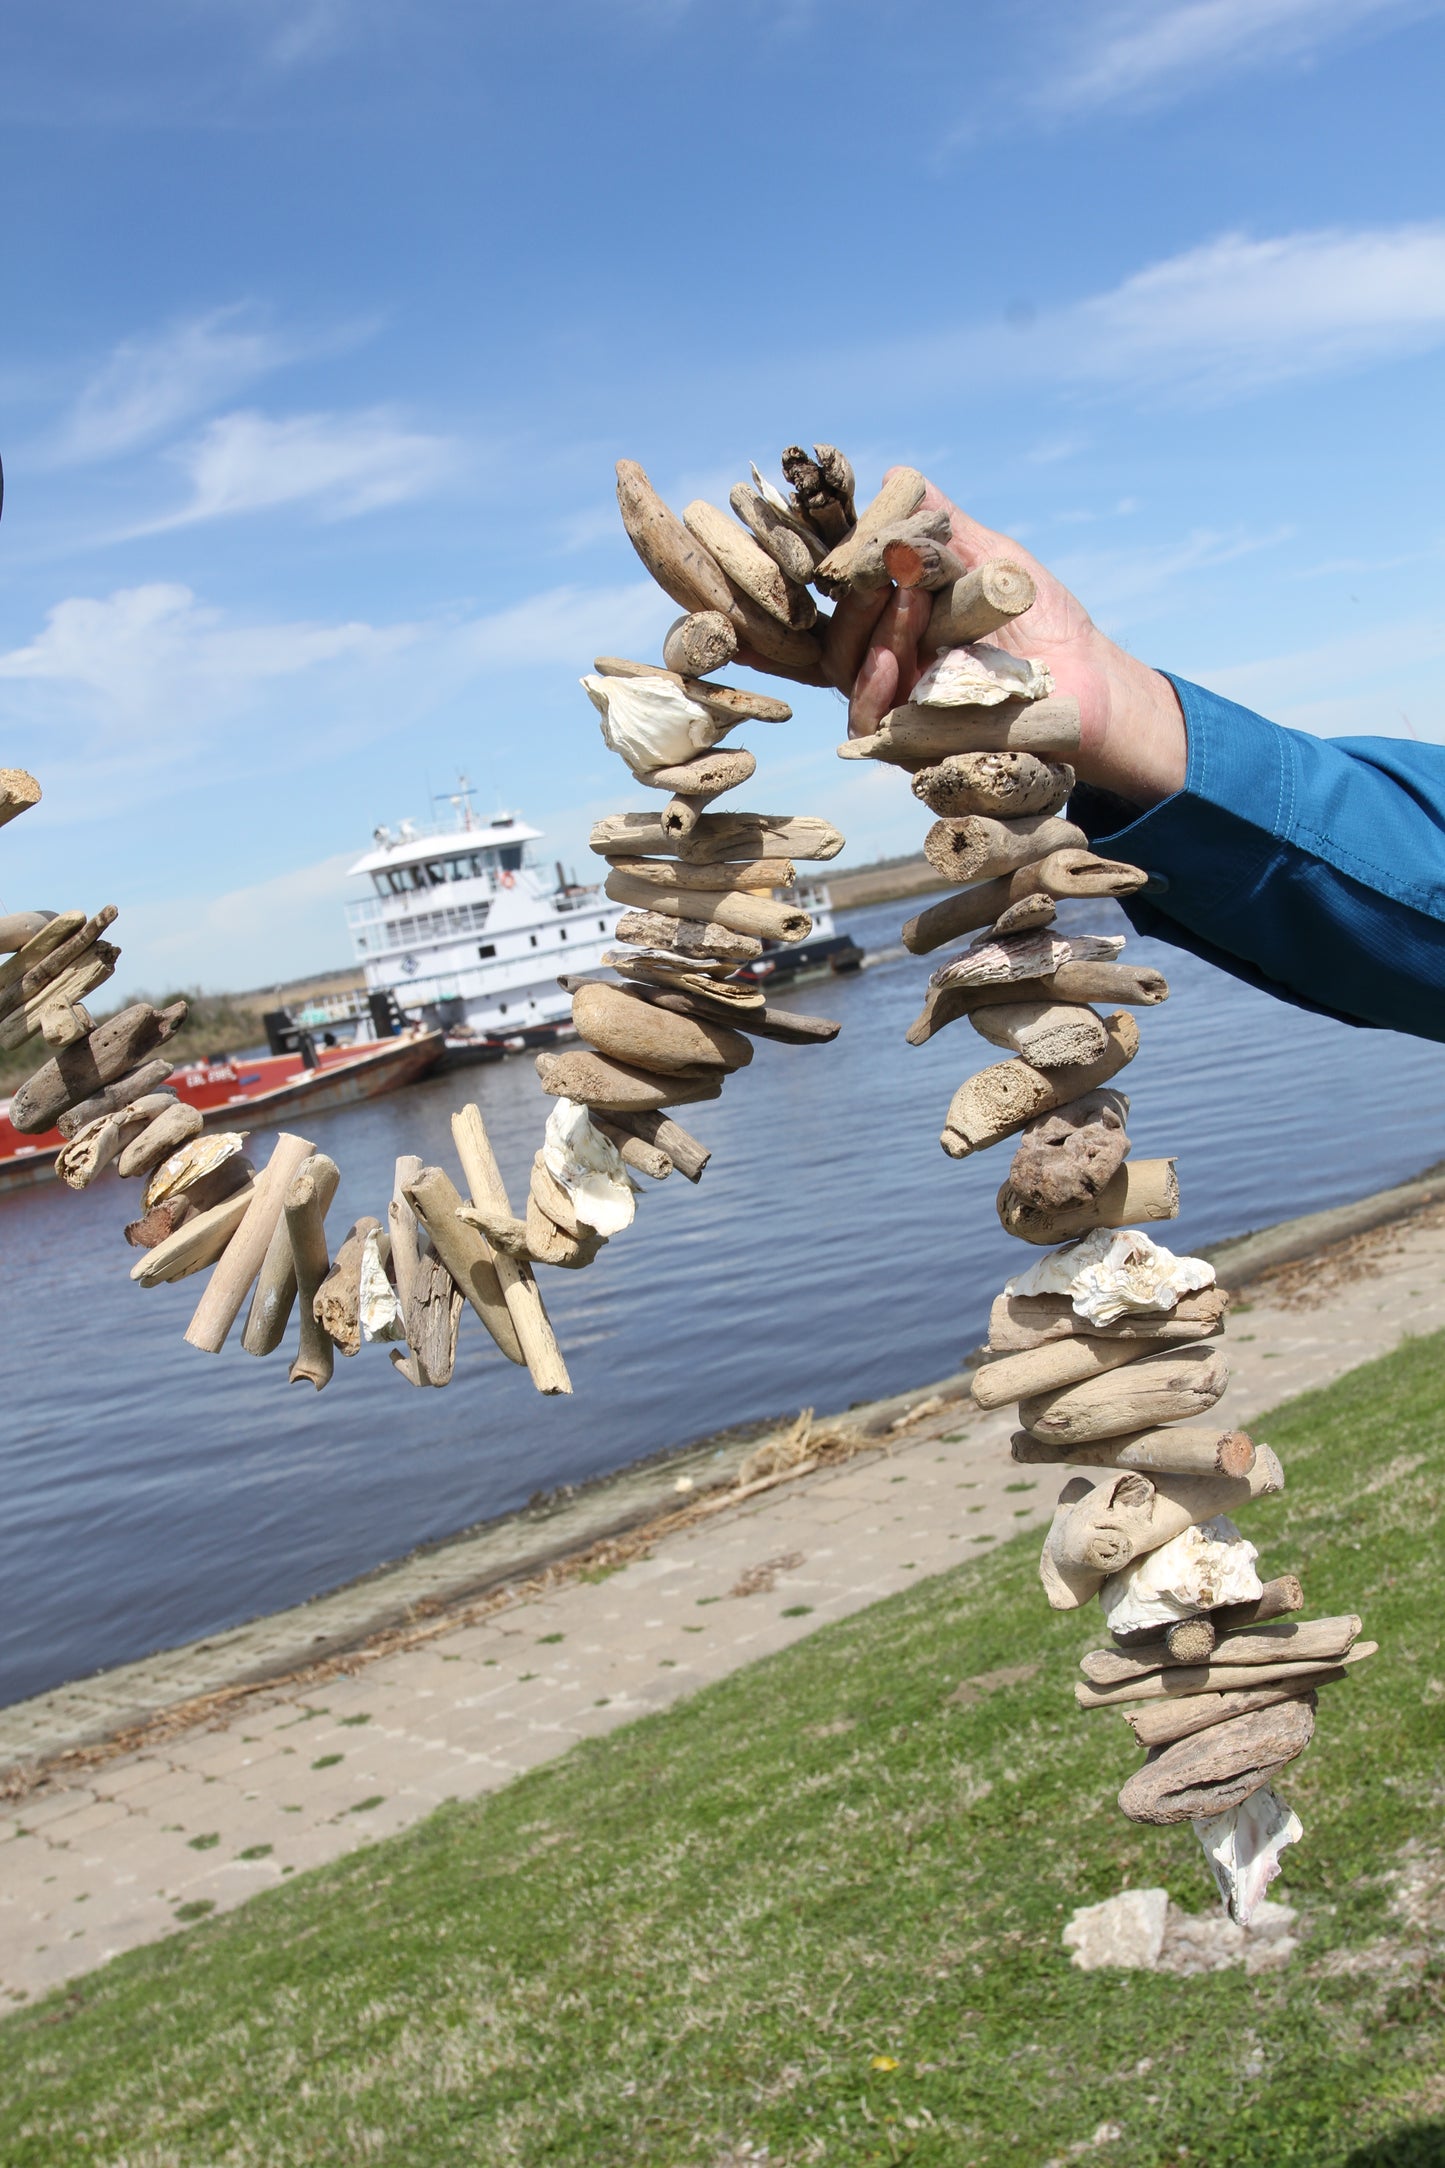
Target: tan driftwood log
18	927
506	1233
1176	1449
681	566
274	1296
81	1071
1141	1191
726	875
749	566
978	849
718	837
793	547
1133	984
699	641
70	987
401	1225
1290	1641
18	792
140	1084
1165	1386
914	736
901	494
1160	1723
1070	1155
1051	1034
174	1125
615	1086
623	1024
791	1027
52	934
195	1245
1046	1368
1216	1769
1102	1523
1025	1321
735	909
977	604
160	1220
725	703
466	1254
230	1283
66	1022
724	768
646	1158
923	529
686	936
520	1292
990	1106
550	1245
337	1301
682	1148
1276	1600
93	1148
1002	786
57	958
987	901
315	1357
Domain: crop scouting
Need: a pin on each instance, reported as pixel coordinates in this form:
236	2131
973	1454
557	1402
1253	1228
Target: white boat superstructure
463	926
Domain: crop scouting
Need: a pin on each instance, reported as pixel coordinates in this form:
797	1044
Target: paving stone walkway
142	1843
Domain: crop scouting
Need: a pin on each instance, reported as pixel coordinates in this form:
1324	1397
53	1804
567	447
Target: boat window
602	925
533	939
561	933
511	857
486	949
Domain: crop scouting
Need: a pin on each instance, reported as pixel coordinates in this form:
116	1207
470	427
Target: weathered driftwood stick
1070	1155
822	489
992	1105
749	567
71	986
793	547
623	1024
978	849
520	1292
52	934
1024	1321
195	1245
550	1245
174	1125
1276	1600
790	1027
1025	915
434	1321
57	960
1077	872
93	1148
617	1087
901	495
1175	1450
869	572
315	1358
680	565
1101	1525
401	1225
1133	984
1140	1191
230	1283
1001	786
65	1022
160	1220
913	558
18	927
1166	1385
699	641
1159	1723
1047	1368
718	837
729	874
18	792
1061	874
1291	1641
646	1158
735	909
275	1291
915	736
708	975
706	777
682	1148
81	1071
1216	1769
504	1231
977	604
465	1253
140	1084
337	1301
725	703
686	936
1051	1034
554	1200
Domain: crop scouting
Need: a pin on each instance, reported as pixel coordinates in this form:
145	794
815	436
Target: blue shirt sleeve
1311	867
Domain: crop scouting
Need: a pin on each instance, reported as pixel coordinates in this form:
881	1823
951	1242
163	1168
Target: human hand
1132	730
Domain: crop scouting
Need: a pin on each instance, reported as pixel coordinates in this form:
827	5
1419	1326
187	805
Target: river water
831	1253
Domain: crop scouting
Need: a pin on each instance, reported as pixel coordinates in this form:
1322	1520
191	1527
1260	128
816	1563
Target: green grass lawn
813	1914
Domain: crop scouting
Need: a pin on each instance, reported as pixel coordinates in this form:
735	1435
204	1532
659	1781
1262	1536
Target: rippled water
831	1253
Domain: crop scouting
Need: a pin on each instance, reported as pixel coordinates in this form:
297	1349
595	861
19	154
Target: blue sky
327	319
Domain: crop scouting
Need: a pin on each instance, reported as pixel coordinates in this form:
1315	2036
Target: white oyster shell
987	961
379	1306
1208	1563
191	1162
589	1167
769	491
980	676
651	722
1243	1846
1113	1272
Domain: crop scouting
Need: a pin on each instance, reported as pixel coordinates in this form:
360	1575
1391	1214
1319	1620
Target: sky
326	321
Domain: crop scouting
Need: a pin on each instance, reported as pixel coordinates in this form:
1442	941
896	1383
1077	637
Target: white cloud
1111	581
1144	52
150	385
292	925
342	465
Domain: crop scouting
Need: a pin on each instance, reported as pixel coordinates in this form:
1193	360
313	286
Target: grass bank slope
813	1915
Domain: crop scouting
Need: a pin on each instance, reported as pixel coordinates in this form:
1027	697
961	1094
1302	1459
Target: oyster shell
1111	1272
191	1162
378	1306
1243	1846
651	722
589	1167
1208	1563
987	961
980	675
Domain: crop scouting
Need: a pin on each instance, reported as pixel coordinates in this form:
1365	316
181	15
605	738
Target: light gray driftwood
1133	984
1289	1641
1046	1368
274	1295
195	1245
616	1087
1001	786
18	927
739	912
791	545
1160	1723
520	1292
978	849
125	1092
1217	1769
1025	1321
699	641
1102	1523
749	566
1166	1386
172	1126
466	1254
676	873
718	837
687	936
682	1148
82	1071
990	1106
993	594
230	1283
622	1024
914	737
18	792
315	1358
1176	1449
646	1158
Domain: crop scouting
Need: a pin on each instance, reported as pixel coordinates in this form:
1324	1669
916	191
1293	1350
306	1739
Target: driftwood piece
624	1025
1101	1524
1142	1190
699	641
618	1088
790	1027
549	1244
431	1302
707	777
1025	915
978	849
709	975
554	1200
337	1301
1136	985
1182	1682
1159	1723
922	530
195	1245
61	993
465	1253
520	1292
274	1295
92	1149
1046	1368
401	1225
174	1125
160	1220
504	1231
65	1022
1001	786
1069	1156
1216	1769
18	792
822	489
749	566
82	1071
1191	1640
1276	1600
998	1101
140	1084
57	959
1165	1386
916	553
761	916
682	1148
791	545
1026	1321
1051	1034
1290	1641
993	594
18	927
718	837
315	1358
1174	1450
725	703
54	932
728	874
915	736
230	1283
1060	874
687	936
900	496
646	1158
